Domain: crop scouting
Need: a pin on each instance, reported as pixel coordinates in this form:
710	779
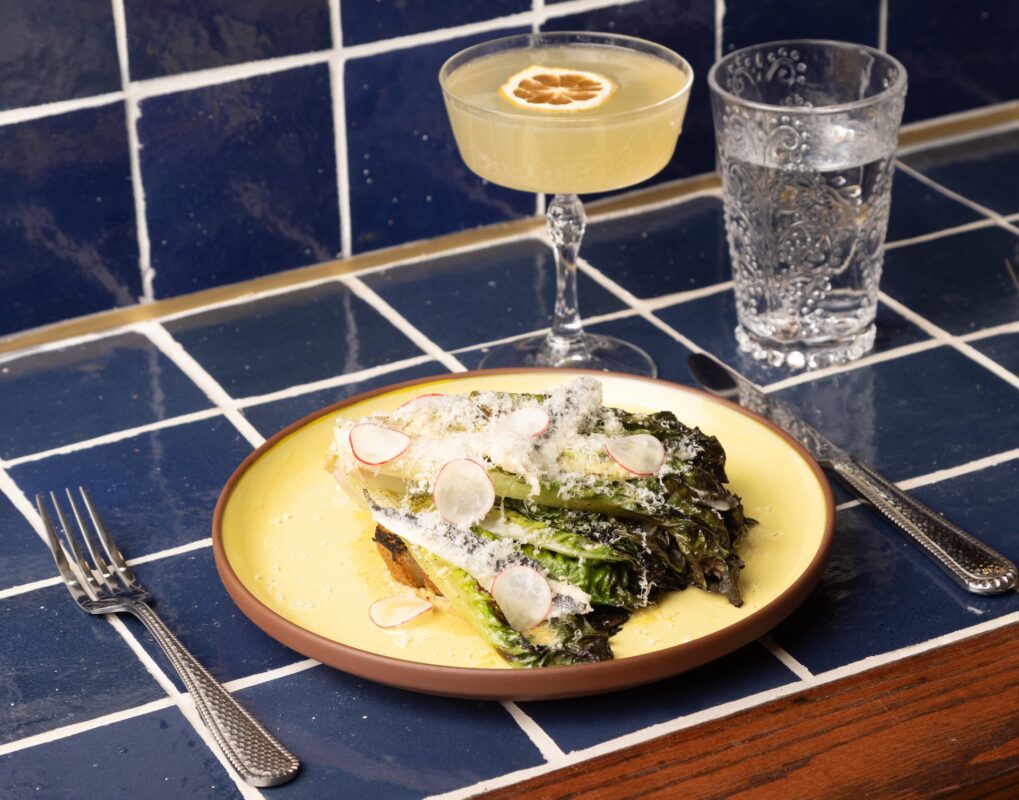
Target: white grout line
882	26
986	333
957	471
117	436
132	113
546	745
987	212
719	30
82	727
190	547
941	234
338	93
13	116
959	138
21	502
237	684
595	217
25	588
676	298
537	15
173	350
397	320
794	666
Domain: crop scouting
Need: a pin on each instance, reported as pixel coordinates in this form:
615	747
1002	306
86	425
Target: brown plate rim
520	684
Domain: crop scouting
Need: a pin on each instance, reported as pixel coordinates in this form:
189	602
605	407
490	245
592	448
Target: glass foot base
588	351
806	355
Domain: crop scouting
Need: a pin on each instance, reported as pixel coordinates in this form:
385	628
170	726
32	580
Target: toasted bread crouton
401	563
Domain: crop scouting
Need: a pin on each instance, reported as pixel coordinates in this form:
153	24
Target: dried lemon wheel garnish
557	89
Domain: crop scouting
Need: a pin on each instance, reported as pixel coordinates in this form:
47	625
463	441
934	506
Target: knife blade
975	566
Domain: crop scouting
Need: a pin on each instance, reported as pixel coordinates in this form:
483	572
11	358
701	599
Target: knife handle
971	563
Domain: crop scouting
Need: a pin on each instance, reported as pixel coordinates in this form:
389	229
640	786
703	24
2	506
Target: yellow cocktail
567	114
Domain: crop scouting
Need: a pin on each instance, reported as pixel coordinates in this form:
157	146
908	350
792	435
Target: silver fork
107	585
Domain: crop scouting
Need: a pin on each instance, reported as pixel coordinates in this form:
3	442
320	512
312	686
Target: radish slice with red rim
641	453
523	595
527	421
392	611
463	492
374	445
421	397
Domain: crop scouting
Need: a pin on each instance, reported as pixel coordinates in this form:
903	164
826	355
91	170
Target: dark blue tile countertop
155	416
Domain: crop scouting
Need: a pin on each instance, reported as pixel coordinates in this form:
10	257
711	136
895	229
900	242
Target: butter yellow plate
297	555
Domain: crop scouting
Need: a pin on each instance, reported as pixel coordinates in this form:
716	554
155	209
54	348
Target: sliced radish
392	611
373	445
523	595
527	421
421	397
463	492
641	454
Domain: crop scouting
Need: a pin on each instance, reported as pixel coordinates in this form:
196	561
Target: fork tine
123	571
97	557
78	590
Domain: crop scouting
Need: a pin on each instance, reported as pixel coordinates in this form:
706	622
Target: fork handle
970	562
251	750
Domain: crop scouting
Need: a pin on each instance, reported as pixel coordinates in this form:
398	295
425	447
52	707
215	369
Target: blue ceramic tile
269	418
962	283
47	56
407	180
958	55
68	244
369	21
674	249
60	665
982	169
686	28
190	598
157	756
1004	349
153	491
898	416
880	593
63	396
289	339
23	555
748	22
709	322
171	36
240	179
918	209
359	739
577	724
484	294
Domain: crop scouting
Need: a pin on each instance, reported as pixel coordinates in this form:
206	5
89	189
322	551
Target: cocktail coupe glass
631	96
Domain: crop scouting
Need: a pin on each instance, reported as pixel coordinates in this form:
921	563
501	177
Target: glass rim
594	37
898	87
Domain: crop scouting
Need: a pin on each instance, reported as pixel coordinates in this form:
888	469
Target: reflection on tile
483	295
157	756
288	339
68	244
269	418
918	209
750	22
961	56
47	56
407	180
151	490
962	283
192	601
86	390
687	29
577	724
23	555
168	38
897	416
709	322
982	169
62	665
367	22
879	593
673	249
359	739
1004	349
240	179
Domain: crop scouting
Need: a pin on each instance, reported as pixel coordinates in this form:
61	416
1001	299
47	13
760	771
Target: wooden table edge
942	723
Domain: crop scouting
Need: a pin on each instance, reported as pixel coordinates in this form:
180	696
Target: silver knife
971	563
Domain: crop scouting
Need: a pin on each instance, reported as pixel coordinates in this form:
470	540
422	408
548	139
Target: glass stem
566	222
